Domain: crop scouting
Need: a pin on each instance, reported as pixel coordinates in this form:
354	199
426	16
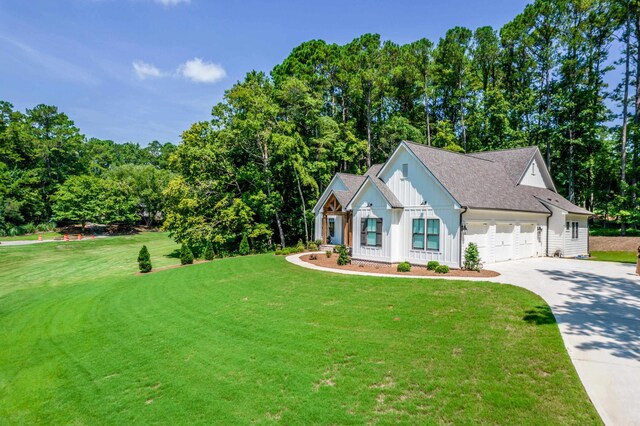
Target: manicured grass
32	237
258	340
615	256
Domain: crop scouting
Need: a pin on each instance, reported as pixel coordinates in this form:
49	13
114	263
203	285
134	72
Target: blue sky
143	70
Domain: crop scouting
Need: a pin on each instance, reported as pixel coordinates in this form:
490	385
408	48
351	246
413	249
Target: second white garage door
504	242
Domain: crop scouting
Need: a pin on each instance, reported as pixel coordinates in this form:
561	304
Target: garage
504	242
527	240
478	233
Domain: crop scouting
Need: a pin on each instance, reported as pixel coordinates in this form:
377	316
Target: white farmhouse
428	204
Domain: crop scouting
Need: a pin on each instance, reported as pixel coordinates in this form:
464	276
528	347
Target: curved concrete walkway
597	308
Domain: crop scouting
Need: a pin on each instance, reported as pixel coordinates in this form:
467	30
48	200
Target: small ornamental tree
144	260
472	258
244	246
186	255
343	256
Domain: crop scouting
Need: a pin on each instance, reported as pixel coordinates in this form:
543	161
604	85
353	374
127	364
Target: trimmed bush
404	267
278	253
209	253
312	247
144	260
442	269
329	253
432	265
299	247
244	246
186	255
343	256
471	258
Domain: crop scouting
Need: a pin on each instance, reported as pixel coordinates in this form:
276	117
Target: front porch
336	225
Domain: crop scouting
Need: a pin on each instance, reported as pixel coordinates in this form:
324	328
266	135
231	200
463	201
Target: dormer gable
536	174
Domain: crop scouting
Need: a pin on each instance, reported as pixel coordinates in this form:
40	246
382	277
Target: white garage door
504	242
527	240
478	233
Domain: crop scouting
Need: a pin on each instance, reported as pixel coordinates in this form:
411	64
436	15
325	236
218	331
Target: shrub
313	256
244	246
318	242
144	260
432	265
28	228
442	269
312	247
471	258
404	267
186	255
343	256
299	247
278	252
329	253
209	253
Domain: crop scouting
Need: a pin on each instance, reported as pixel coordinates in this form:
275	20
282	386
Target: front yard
258	340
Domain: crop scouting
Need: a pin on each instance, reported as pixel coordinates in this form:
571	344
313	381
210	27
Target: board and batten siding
422	197
576	246
370	203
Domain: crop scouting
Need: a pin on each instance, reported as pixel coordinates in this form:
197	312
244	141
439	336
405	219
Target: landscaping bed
381	268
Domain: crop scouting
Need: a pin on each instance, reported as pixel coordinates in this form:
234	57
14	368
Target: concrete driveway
597	307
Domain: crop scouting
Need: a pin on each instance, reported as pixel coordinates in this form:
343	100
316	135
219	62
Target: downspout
546	251
460	228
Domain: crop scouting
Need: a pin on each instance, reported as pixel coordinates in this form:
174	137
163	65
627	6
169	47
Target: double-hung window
371	232
433	234
418	234
574	230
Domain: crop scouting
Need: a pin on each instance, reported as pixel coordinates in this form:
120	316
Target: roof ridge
449	152
504	149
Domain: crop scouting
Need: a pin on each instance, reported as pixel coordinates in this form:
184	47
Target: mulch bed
614	243
418	271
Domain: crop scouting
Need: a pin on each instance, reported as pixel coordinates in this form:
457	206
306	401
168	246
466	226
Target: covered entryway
478	233
336	223
504	242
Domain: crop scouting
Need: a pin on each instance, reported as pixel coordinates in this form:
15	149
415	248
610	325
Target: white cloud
144	70
171	2
202	72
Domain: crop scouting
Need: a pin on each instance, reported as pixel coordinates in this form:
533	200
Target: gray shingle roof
487	180
549	197
354	182
514	161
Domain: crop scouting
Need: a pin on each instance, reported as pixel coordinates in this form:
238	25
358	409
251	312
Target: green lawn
615	256
258	340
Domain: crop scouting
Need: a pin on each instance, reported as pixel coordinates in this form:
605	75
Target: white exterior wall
515	222
556	230
318	226
420	187
379	209
533	176
580	245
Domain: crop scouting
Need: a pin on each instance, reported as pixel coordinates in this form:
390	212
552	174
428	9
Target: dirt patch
164	268
418	271
614	243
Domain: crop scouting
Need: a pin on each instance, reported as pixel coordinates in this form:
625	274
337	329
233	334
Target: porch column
345	229
324	228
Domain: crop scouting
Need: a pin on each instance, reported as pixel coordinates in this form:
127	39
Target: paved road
597	307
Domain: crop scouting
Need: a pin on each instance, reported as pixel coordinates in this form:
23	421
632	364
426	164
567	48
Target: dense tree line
276	140
50	172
